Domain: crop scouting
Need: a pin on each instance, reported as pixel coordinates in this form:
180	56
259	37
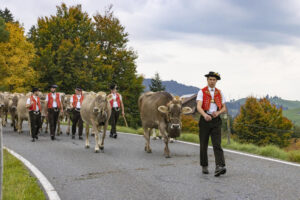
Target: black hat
35	89
78	88
213	74
53	86
113	86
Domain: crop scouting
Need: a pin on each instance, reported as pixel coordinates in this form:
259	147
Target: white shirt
54	105
78	102
115	103
28	102
213	106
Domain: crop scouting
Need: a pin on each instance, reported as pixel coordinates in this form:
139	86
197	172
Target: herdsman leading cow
160	110
211	104
75	103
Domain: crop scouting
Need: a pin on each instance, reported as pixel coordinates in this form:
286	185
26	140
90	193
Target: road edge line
235	152
47	186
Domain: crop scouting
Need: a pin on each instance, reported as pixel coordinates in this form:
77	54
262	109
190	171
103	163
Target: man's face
36	93
211	81
114	90
52	89
77	92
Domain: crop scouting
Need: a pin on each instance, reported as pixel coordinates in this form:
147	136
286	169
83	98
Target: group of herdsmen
55	107
210	104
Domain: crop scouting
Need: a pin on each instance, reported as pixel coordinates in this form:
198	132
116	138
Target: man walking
76	102
116	103
210	104
53	101
34	106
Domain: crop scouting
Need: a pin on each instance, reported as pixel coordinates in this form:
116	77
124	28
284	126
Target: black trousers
76	118
35	123
53	117
115	112
211	128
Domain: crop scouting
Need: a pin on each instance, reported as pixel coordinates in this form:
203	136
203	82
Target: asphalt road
124	171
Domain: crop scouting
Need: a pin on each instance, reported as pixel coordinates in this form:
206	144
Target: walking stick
125	120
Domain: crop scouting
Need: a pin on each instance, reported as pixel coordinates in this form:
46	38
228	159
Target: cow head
173	111
14	101
101	107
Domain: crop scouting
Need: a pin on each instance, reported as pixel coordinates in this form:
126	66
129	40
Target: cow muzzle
96	110
175	126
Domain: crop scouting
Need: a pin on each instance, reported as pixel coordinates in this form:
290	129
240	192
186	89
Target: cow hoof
149	151
15	129
46	131
87	146
154	138
97	151
11	125
167	156
68	133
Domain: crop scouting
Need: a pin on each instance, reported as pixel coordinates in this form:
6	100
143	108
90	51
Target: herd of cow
158	110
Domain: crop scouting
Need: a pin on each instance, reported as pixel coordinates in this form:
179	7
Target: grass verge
18	182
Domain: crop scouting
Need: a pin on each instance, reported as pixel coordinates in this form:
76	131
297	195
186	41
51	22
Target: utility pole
228	128
1	160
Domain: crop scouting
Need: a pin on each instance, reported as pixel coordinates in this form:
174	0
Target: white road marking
52	194
235	152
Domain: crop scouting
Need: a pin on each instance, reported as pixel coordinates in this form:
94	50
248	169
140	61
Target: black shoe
111	135
36	137
73	137
52	137
80	138
205	170
220	170
115	136
33	140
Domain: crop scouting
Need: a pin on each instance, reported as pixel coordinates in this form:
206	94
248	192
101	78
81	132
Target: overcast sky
253	44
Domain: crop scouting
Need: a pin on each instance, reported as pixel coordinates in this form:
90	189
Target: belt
116	108
77	109
35	112
55	109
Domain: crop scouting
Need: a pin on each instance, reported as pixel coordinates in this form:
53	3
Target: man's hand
215	114
123	113
207	117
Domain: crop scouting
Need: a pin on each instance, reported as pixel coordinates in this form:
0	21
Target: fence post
1	160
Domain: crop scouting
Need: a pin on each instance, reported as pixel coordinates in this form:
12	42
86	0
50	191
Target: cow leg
96	133
58	132
147	137
20	125
166	140
87	132
103	136
47	124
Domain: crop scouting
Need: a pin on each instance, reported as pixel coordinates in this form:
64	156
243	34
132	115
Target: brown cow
12	109
22	112
160	110
95	110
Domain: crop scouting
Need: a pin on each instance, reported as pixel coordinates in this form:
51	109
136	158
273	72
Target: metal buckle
212	101
116	108
55	109
77	109
36	112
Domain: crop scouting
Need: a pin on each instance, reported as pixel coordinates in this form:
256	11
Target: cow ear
163	109
186	110
109	97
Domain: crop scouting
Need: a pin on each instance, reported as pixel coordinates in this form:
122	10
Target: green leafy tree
156	84
118	63
261	123
6	15
4	34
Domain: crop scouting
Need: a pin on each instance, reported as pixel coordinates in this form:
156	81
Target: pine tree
4	34
6	15
156	84
261	123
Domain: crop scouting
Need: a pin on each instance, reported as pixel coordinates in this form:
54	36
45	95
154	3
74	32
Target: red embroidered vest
50	100
75	100
118	99
33	107
207	99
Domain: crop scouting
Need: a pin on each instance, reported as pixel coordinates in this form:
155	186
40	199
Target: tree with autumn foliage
261	123
16	73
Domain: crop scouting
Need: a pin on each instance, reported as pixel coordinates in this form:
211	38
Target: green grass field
293	115
18	183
